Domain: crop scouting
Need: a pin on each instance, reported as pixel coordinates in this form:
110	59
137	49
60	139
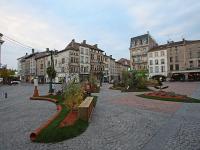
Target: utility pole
1	42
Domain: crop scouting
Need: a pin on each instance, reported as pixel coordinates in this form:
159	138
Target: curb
37	131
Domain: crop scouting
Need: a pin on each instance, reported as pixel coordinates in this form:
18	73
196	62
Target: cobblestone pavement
120	121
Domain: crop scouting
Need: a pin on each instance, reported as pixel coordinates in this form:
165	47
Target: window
151	62
177	66
86	51
176	50
162	68
151	69
156	54
86	59
92	56
81	68
191	64
170	51
156	61
162	61
72	59
157	69
41	66
176	58
171	68
82	51
198	63
63	60
171	59
62	69
150	55
190	54
82	59
140	42
162	53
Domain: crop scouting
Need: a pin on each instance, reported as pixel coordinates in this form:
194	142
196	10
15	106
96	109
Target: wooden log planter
85	109
35	133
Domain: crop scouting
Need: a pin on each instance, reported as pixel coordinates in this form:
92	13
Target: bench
85	109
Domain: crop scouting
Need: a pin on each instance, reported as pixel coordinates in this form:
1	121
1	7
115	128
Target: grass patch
187	100
53	133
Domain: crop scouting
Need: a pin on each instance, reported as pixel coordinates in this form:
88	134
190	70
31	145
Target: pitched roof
124	61
173	44
75	46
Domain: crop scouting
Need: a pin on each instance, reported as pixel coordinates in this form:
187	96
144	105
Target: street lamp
51	71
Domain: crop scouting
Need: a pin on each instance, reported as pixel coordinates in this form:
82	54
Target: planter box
85	109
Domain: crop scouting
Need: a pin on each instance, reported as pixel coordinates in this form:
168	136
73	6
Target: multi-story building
76	61
181	59
97	62
125	64
112	69
157	61
139	46
106	68
41	64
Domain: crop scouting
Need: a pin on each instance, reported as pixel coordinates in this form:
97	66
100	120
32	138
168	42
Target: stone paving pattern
120	121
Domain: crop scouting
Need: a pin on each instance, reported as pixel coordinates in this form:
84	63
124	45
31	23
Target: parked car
15	82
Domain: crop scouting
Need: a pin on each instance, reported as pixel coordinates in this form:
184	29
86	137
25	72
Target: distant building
182	59
157	61
139	46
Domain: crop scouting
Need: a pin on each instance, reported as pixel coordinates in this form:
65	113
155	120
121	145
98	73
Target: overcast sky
109	23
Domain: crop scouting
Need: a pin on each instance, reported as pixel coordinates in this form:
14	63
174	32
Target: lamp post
52	71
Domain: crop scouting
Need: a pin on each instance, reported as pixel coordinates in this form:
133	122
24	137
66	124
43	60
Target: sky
108	23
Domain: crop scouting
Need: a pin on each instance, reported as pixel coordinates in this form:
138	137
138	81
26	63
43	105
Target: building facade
180	60
139	47
157	62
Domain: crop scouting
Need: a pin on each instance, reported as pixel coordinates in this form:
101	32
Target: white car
15	82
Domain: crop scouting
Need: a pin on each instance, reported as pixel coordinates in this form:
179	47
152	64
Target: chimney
95	45
47	49
147	32
110	56
26	54
105	54
183	40
84	41
33	51
73	40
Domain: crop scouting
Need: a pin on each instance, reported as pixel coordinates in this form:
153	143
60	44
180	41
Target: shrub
73	95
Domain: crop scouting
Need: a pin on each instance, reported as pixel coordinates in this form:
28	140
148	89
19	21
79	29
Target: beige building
139	46
183	59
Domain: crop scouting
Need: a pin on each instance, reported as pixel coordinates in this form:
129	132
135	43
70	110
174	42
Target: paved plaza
120	121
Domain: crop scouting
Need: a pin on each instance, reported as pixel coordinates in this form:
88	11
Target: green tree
51	74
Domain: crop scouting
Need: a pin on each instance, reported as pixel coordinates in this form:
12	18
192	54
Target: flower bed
169	96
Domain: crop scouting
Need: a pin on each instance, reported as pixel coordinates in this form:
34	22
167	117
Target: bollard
6	95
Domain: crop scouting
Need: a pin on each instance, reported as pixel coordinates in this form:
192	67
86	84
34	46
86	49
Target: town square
99	75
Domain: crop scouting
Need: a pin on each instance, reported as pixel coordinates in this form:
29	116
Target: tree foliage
134	79
51	72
